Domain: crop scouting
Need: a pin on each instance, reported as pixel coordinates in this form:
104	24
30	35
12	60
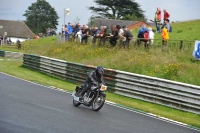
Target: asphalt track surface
30	108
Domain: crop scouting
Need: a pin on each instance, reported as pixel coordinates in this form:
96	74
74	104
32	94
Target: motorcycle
94	97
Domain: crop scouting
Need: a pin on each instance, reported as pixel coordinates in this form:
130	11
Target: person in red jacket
166	14
157	19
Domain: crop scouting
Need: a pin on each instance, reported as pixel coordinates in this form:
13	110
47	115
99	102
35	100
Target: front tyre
76	103
75	95
98	103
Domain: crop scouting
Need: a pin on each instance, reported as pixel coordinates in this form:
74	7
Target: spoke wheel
98	103
76	103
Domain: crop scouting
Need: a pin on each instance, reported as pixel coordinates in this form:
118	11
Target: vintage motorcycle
94	97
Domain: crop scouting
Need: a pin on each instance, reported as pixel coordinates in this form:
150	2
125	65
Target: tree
118	9
40	15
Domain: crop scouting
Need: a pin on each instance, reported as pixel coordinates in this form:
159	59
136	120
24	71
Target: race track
30	108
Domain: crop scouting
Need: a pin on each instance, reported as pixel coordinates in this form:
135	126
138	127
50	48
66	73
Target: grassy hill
169	63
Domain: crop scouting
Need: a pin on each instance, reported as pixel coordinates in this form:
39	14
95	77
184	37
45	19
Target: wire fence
134	43
172	45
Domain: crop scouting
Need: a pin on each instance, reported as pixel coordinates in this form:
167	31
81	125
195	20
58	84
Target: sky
180	10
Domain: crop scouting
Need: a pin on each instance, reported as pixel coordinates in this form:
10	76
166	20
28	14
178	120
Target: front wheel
76	103
98	103
75	100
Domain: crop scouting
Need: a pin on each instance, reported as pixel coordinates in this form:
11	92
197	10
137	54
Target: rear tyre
98	103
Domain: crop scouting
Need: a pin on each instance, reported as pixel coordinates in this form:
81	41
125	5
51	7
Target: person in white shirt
121	36
151	36
79	33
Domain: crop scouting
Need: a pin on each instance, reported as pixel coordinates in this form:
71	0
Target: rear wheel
98	103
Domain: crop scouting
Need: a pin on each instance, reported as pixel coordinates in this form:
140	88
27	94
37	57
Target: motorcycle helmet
100	70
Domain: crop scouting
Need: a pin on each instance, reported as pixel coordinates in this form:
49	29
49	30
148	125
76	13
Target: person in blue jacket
142	30
142	36
70	29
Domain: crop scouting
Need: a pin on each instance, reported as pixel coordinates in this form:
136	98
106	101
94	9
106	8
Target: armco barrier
8	54
177	95
2	53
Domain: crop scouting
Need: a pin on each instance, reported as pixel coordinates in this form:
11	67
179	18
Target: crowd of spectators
115	33
165	26
5	40
82	33
99	35
50	32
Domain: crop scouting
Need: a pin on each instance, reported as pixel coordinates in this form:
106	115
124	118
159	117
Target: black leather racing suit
93	79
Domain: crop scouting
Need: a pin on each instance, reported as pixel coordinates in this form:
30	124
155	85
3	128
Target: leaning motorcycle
94	97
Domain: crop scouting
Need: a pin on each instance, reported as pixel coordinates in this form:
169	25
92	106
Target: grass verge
15	68
168	64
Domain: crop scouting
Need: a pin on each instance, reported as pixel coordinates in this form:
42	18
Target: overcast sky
180	10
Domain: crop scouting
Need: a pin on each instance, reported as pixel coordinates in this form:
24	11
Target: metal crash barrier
173	94
14	55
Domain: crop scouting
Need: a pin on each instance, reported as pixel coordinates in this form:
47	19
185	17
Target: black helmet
100	70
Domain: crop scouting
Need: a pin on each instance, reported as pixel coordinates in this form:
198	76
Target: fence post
138	42
181	45
163	43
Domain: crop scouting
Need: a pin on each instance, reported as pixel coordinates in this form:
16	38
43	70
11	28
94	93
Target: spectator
166	25
113	36
165	36
85	34
107	31
66	34
59	36
48	32
106	35
79	33
97	34
128	36
141	31
140	35
89	30
74	31
40	35
36	37
92	33
166	14
102	31
63	29
121	35
1	39
70	30
158	19
9	41
102	36
18	44
151	36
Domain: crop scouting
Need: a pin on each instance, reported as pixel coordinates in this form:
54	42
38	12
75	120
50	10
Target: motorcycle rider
94	78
